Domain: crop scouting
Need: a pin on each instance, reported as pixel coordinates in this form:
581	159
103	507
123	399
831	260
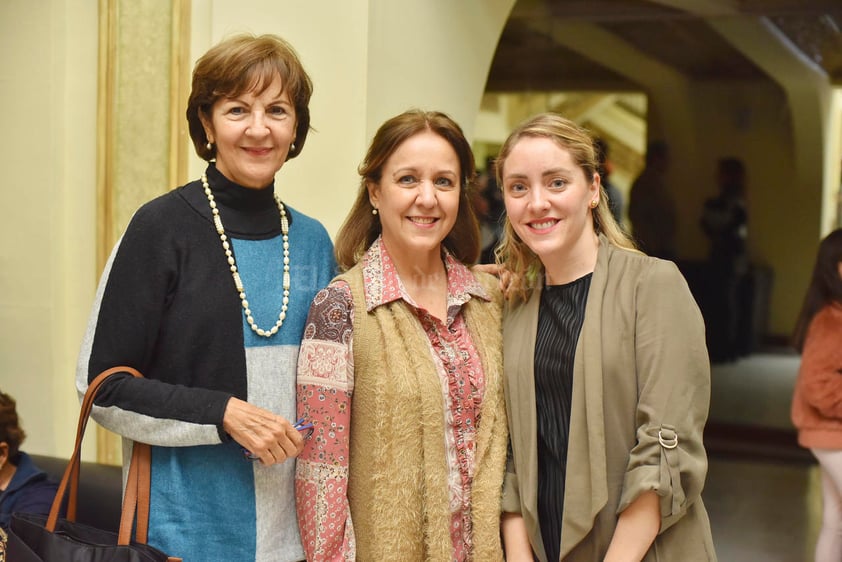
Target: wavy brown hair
512	253
239	64
825	285
11	432
361	227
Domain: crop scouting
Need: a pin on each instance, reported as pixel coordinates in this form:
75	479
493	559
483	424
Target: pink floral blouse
325	393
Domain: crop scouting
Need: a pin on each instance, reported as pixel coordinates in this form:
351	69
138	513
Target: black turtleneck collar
246	213
235	196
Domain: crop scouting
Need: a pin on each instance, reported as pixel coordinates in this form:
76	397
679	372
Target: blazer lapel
586	491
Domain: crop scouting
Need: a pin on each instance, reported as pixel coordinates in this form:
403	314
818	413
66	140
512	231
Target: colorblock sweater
167	305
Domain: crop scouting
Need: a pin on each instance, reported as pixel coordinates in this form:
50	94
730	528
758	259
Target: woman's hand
636	529
267	436
498	271
515	538
490	268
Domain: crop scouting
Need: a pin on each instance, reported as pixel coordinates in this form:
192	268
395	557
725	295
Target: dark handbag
36	538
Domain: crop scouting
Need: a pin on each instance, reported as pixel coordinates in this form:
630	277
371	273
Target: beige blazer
641	389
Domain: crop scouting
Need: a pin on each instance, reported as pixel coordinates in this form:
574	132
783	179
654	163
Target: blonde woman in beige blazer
607	374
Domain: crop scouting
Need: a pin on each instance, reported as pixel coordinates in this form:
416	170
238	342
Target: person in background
400	368
652	209
817	398
725	217
490	229
492	192
488	207
614	195
23	486
607	375
725	222
206	295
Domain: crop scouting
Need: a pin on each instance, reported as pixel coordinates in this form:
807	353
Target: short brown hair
361	227
513	253
238	64
10	430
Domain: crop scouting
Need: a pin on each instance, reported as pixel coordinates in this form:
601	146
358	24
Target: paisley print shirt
326	387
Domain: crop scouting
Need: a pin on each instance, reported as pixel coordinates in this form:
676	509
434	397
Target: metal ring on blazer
668	443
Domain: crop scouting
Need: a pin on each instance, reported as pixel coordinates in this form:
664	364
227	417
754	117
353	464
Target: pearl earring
374	211
209	145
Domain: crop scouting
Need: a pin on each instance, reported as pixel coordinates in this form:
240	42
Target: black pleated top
560	319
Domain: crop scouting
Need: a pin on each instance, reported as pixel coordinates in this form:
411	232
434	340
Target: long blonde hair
513	253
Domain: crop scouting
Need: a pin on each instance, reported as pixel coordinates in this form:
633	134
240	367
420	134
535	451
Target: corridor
763	492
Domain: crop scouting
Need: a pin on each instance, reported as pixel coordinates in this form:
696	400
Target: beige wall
753	123
782	137
47	153
793	217
332	45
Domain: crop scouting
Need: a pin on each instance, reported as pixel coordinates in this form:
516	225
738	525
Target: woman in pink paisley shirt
400	367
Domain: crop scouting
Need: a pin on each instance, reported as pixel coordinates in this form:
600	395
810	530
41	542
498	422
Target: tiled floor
765	506
762	511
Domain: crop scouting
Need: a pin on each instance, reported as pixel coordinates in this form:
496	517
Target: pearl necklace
238	283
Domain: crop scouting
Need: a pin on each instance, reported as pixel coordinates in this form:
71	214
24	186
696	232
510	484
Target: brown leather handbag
36	538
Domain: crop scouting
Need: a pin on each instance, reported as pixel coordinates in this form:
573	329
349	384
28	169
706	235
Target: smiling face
417	196
253	133
548	201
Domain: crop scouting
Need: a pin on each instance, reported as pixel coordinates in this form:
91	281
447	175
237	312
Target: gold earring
594	203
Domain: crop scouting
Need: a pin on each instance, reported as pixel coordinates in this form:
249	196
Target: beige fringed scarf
398	488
